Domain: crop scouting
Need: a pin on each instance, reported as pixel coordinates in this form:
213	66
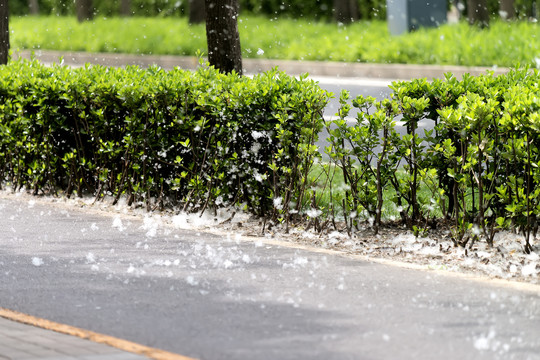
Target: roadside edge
479	278
120	344
253	66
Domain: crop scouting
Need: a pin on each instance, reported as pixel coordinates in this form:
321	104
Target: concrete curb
253	66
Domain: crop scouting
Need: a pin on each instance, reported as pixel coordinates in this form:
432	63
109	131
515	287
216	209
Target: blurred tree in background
4	31
85	10
197	13
507	9
346	11
478	13
125	7
224	51
33	7
311	9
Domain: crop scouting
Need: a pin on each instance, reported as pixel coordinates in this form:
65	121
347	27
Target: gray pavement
25	342
208	296
252	66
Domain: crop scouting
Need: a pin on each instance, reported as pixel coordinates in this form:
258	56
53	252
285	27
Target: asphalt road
227	297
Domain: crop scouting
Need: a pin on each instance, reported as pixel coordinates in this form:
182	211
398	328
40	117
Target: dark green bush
159	138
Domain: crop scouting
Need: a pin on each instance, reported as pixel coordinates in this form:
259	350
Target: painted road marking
128	346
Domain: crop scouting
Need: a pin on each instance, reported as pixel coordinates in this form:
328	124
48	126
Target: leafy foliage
200	140
503	44
480	163
317	9
204	140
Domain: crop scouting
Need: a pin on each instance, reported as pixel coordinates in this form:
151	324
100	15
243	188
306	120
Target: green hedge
479	167
176	138
199	140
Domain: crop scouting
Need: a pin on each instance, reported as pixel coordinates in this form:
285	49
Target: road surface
231	297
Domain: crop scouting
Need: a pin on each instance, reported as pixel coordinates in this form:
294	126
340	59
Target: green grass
503	44
332	180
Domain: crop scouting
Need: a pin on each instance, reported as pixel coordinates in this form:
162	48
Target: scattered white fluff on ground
151	223
429	250
529	269
506	259
484	341
90	258
190	221
117	223
488	342
298	262
192	281
405	238
36	261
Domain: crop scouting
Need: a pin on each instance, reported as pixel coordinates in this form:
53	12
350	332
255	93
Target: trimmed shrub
191	139
479	164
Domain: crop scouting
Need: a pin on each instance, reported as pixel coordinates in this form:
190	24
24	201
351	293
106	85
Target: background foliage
314	9
503	44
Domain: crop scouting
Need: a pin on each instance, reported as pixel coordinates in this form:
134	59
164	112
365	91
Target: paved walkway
253	66
25	342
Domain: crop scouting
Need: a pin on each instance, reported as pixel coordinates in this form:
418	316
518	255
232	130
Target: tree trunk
33	7
197	12
345	11
125	7
85	10
223	39
477	12
507	9
4	32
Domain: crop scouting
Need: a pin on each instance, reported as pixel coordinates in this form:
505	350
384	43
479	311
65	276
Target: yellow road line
120	344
